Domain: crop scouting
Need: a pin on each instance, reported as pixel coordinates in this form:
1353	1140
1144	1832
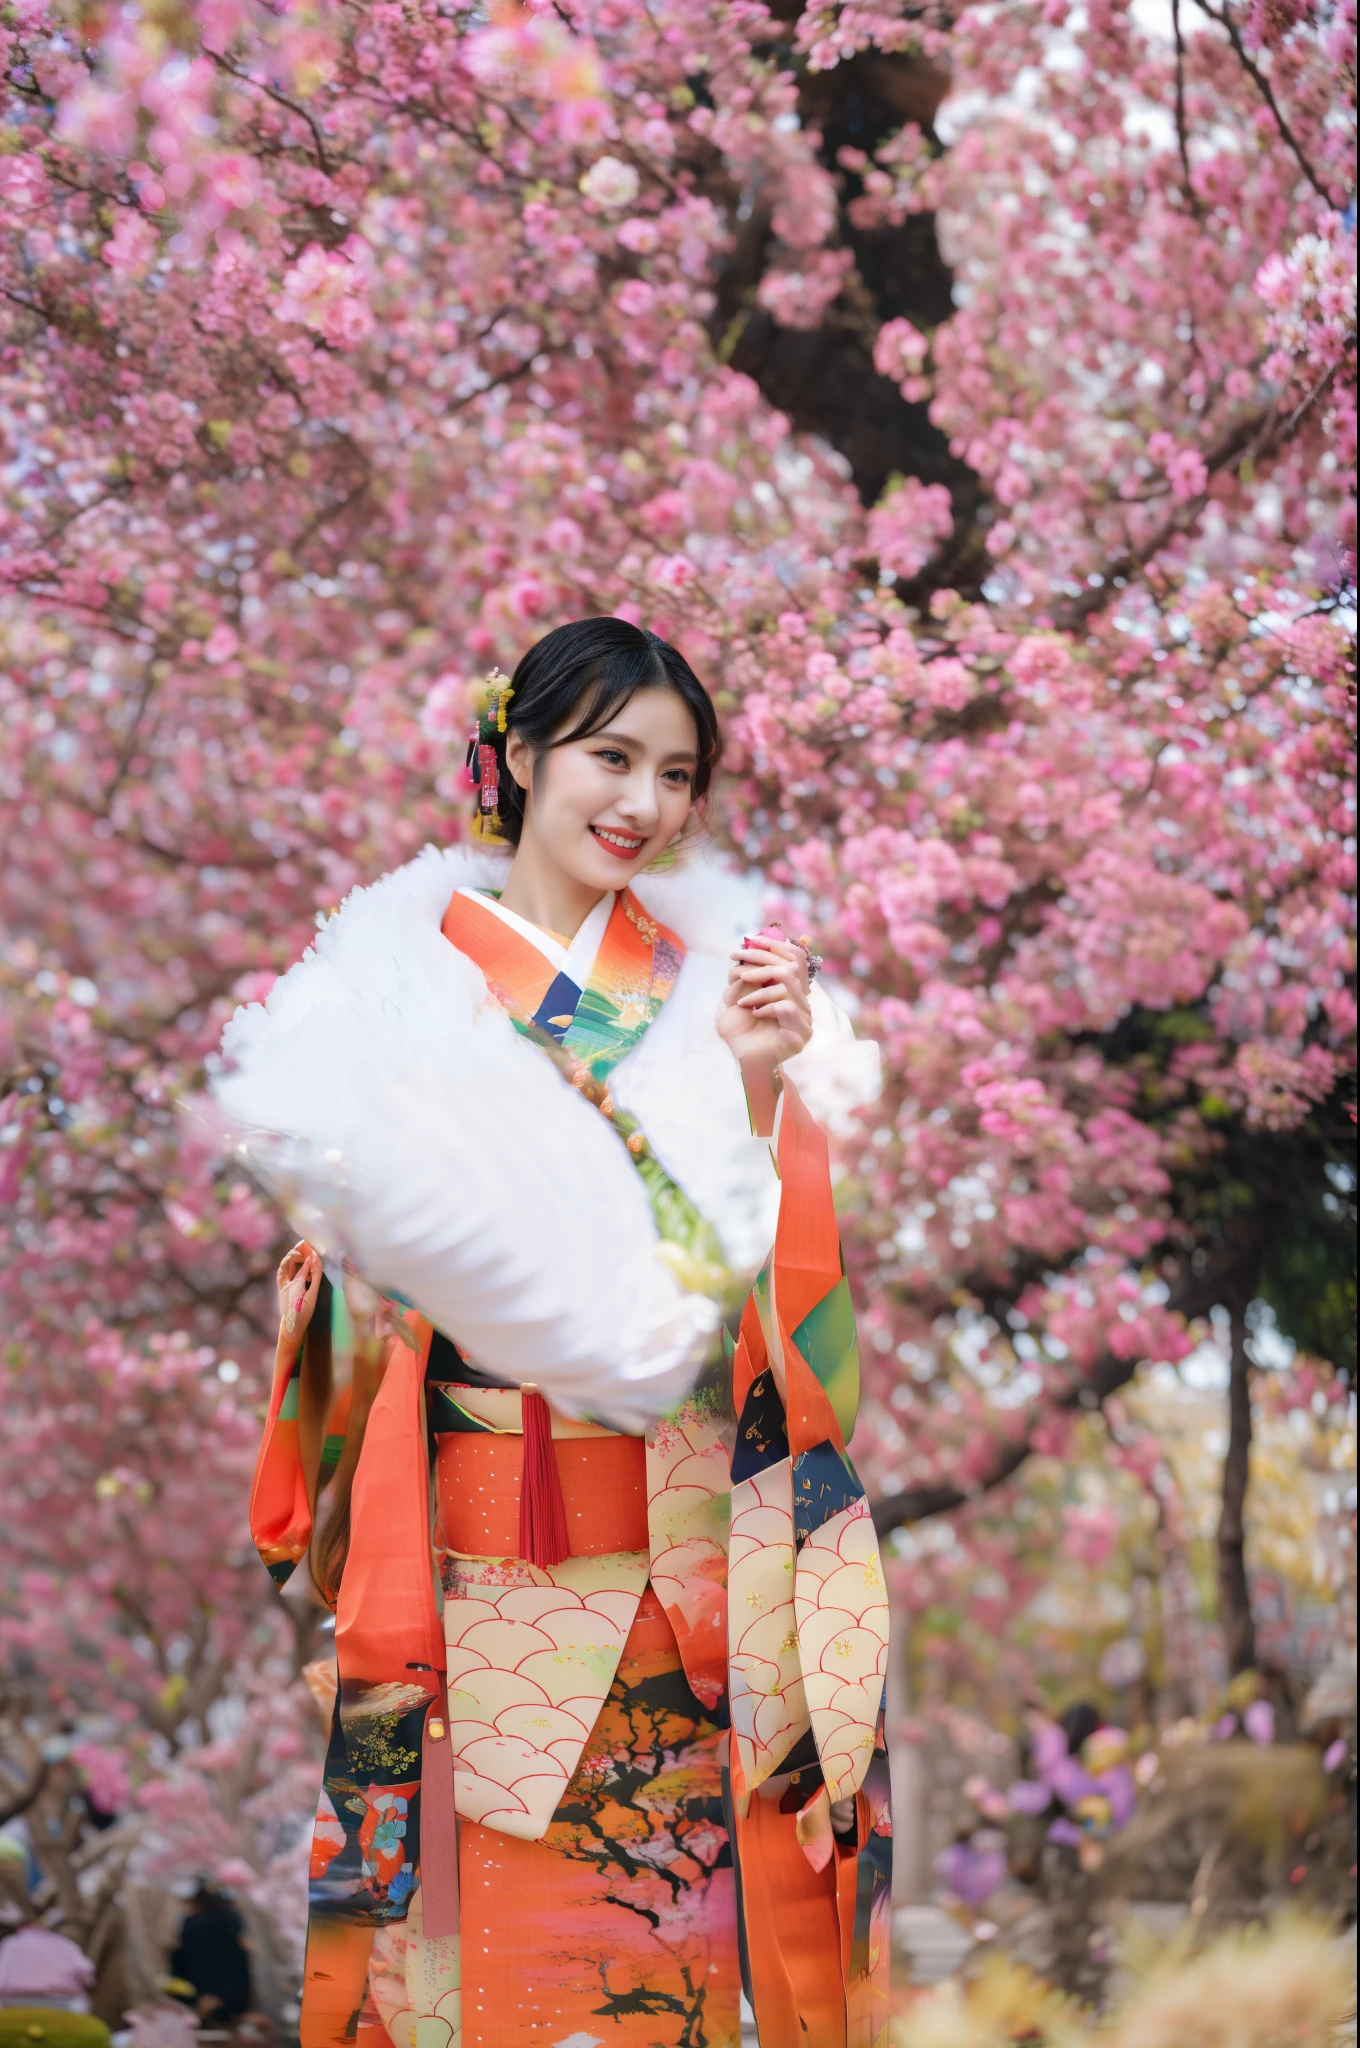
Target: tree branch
919	1503
282	100
1225	20
1192	198
1257	435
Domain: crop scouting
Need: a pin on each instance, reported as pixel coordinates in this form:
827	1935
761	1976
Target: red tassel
542	1513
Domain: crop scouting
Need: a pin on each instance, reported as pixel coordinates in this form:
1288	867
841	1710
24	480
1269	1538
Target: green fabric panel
288	1412
828	1341
760	1295
596	1036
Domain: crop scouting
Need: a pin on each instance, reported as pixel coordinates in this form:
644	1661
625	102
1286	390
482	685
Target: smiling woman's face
602	807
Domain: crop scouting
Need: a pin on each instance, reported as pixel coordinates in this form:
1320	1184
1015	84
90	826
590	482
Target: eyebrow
627	739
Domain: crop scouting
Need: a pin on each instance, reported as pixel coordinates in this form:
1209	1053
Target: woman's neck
538	889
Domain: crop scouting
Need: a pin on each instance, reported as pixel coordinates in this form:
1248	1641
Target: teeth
615	838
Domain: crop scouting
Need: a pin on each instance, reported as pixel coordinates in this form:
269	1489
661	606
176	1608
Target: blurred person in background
211	1958
40	1967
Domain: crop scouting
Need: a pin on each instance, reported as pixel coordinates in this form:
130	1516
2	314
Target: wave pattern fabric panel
769	1712
688	1509
531	1655
841	1605
414	1983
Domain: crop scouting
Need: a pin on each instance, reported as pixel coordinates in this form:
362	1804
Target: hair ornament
483	759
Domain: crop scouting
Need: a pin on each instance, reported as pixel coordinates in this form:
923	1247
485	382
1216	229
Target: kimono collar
597	1020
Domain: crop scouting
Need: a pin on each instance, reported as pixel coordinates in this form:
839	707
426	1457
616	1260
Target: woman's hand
843	1821
299	1280
766	1014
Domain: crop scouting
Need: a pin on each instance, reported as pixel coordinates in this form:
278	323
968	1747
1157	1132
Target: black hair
579	676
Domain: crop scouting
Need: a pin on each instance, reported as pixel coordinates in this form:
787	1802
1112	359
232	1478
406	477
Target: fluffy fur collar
401	1120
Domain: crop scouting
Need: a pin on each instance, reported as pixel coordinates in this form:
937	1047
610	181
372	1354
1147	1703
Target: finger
761	977
782	971
775	986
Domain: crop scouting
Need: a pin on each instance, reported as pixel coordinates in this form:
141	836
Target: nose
637	801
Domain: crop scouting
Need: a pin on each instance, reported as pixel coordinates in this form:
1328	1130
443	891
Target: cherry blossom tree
969	391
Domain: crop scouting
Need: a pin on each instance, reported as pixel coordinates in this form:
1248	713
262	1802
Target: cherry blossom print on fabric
621	1923
531	1656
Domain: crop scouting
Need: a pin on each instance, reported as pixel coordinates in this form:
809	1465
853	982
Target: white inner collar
575	960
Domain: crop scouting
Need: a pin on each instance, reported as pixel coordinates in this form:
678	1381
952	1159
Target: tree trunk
1234	1594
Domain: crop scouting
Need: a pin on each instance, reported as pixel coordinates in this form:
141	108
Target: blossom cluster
343	353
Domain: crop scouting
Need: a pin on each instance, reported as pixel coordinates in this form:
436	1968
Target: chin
606	871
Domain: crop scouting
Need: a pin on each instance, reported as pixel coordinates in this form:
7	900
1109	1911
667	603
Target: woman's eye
679	778
613	757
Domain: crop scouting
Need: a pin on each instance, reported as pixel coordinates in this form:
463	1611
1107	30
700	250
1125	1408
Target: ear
519	758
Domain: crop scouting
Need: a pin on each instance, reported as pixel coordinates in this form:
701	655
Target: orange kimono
579	1788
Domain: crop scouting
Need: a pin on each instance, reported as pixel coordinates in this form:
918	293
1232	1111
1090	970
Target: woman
606	1753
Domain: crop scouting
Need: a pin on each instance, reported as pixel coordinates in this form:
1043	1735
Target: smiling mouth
623	845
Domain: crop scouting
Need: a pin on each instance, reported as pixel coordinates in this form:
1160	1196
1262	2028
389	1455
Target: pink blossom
906	527
1259	1721
1185	467
234	179
106	1776
131	249
899	350
23	182
640	236
221	644
671	572
799	295
610	182
635	298
326	291
324	476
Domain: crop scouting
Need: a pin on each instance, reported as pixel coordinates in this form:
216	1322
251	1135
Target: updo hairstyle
579	676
